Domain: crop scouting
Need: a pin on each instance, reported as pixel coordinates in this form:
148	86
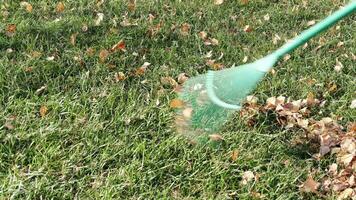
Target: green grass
103	139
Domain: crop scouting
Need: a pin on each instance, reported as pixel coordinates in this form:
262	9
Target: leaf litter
331	137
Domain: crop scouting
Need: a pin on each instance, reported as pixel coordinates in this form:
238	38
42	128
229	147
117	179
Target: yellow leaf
234	155
169	81
43	111
176	103
60	7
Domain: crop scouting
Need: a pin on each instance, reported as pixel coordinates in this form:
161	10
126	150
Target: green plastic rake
209	99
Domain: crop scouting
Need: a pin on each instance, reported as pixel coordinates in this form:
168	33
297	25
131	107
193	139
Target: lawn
79	120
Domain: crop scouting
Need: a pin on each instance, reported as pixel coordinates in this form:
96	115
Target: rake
209	99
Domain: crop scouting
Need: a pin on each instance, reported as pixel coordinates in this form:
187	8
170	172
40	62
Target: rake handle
316	29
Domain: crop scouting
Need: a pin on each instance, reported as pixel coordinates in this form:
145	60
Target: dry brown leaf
103	55
346	194
310	185
73	38
247	176
27	6
184	29
120	76
176	103
234	155
248	29
141	70
10	30
202	35
132	5
182	77
218	2
216	137
43	111
169	81
60	7
119	46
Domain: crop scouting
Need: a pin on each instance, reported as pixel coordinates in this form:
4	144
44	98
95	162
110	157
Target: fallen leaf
311	23
27	6
41	89
176	103
202	35
43	111
251	99
90	51
169	81
141	70
332	87
216	137
244	2
338	66
247	176
99	19
103	55
36	54
120	76
132	5
346	194
211	41
10	30
8	125
119	46
182	77
234	155
266	17
310	185
248	29
73	38
275	39
50	58
245	59
353	104
218	2
184	29
287	57
60	7
187	113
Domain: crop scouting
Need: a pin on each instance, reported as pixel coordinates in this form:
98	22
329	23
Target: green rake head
209	99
